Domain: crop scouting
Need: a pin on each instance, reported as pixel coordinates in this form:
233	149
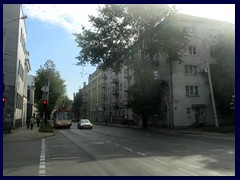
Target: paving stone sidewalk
22	133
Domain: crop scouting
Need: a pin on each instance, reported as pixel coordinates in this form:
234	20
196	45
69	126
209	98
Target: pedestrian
32	121
38	121
28	121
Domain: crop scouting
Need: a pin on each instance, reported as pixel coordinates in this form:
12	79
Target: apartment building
16	63
191	93
192	100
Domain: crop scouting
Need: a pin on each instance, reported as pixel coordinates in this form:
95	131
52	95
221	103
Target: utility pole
210	83
171	116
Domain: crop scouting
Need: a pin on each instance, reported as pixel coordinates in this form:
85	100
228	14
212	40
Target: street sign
44	89
44	96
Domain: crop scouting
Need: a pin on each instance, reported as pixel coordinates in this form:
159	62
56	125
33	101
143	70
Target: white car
85	124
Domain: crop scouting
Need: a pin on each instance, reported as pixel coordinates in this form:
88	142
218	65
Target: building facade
192	98
16	64
30	96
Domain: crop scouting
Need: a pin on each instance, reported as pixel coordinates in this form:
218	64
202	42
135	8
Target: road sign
44	89
44	96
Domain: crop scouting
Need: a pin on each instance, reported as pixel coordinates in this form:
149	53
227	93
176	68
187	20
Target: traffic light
4	99
44	104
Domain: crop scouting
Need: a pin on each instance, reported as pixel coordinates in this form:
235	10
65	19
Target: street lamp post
210	83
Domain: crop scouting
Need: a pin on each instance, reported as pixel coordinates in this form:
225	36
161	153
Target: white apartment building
16	63
192	100
191	96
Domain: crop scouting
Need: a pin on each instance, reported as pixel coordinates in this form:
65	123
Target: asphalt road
115	151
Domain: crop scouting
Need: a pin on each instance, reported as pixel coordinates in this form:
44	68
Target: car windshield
85	121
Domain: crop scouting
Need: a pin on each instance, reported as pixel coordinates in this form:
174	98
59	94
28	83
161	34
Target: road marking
42	167
97	142
142	154
128	149
59	158
161	162
189	172
116	144
111	155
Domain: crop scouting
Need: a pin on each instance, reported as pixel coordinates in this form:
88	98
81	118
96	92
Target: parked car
85	124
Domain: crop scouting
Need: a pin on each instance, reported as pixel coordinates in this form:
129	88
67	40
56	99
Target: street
116	151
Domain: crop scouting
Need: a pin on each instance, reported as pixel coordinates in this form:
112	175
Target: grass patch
45	128
220	129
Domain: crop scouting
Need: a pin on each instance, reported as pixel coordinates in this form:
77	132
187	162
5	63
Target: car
85	124
64	123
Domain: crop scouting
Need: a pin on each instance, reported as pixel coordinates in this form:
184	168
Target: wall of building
14	68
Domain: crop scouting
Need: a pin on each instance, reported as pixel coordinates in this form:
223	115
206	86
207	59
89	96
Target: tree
64	103
121	31
57	89
224	88
77	103
125	34
145	95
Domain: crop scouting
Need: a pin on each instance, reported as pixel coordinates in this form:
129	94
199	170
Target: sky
50	29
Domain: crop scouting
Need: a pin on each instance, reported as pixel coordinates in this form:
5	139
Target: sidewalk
185	131
23	133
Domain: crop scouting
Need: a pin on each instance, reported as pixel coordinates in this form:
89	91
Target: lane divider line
42	165
128	149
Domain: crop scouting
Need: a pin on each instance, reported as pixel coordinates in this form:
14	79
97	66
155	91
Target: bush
45	128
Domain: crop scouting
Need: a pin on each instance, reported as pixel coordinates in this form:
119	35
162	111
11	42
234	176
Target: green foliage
139	35
77	103
223	73
122	31
57	88
45	128
145	96
64	103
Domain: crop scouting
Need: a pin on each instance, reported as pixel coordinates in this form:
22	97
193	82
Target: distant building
16	64
30	96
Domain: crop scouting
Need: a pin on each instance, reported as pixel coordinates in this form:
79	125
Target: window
189	111
190	30
214	34
28	95
191	70
213	52
192	91
191	50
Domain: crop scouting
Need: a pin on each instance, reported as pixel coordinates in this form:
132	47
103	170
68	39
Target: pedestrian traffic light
44	102
4	99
